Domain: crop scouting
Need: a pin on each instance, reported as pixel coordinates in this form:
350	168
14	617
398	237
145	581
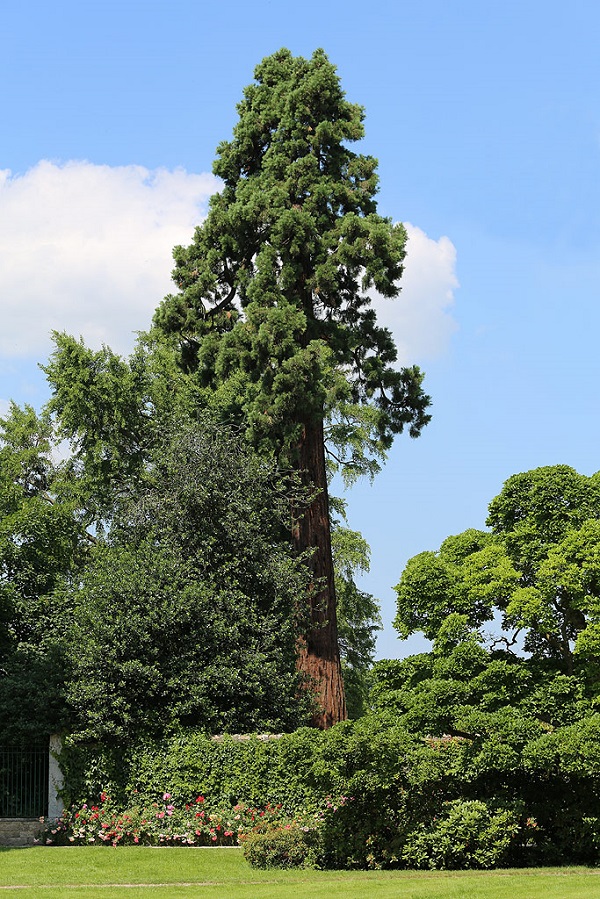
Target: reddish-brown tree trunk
318	649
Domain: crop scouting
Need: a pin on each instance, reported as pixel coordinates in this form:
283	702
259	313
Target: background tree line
271	335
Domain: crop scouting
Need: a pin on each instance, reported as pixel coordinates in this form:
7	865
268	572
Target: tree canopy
42	548
274	308
187	613
513	614
537	570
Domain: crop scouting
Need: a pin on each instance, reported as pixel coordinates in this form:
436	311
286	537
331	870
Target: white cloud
420	318
87	249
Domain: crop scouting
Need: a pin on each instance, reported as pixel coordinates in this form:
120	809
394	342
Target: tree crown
274	311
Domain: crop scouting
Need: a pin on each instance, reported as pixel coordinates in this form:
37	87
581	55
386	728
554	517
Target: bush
468	835
296	844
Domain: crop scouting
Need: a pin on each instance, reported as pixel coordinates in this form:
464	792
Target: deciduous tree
186	614
42	549
513	612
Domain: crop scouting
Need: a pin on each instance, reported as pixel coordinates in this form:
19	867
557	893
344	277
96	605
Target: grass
136	872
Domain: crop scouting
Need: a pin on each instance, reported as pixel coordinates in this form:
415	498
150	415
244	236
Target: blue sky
485	119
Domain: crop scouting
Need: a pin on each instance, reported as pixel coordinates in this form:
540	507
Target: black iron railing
23	782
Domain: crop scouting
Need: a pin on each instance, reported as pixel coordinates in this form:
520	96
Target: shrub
295	844
468	835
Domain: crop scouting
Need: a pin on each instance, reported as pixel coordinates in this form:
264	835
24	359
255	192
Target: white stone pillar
55	778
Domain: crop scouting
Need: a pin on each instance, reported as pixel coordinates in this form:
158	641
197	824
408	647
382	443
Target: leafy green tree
111	412
273	315
114	412
42	549
358	616
513	614
537	570
187	613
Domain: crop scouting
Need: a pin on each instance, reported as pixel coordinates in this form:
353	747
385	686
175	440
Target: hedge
386	797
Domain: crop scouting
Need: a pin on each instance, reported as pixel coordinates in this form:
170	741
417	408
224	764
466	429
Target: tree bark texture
318	649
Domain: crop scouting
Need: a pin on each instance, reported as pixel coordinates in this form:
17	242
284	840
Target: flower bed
165	822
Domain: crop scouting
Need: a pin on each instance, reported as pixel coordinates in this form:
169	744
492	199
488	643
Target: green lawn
132	872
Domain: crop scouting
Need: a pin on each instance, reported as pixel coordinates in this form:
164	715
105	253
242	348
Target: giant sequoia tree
274	317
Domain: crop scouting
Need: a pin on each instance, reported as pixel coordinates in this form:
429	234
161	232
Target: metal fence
23	782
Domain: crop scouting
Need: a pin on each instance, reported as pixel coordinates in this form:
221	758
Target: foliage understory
365	794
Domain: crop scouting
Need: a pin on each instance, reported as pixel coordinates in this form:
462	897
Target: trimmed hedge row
385	797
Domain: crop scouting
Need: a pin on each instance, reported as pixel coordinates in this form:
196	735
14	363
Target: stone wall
19	831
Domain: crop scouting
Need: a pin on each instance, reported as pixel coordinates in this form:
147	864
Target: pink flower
166	796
